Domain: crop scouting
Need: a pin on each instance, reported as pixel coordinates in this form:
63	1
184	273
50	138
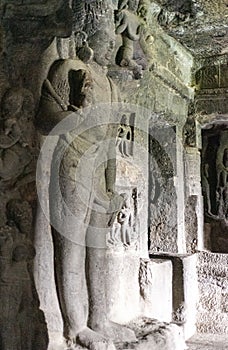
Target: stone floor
208	342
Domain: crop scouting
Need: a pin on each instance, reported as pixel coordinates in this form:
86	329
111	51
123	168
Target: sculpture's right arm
52	110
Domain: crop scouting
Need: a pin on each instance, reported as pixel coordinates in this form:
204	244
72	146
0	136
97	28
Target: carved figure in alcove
17	145
16	296
206	188
125	218
189	132
128	25
124	138
123	230
206	182
19	275
222	176
222	168
87	188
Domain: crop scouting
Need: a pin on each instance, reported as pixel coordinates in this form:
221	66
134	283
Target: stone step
208	342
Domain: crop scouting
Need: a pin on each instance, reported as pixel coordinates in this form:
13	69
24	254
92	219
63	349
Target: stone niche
215	187
163	197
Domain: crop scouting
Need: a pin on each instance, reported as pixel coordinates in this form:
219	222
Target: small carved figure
125	219
179	316
19	304
145	278
16	295
222	176
190	132
128	25
114	237
206	188
222	169
16	147
124	138
122	232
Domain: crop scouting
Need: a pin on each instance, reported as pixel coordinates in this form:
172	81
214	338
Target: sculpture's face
102	43
133	5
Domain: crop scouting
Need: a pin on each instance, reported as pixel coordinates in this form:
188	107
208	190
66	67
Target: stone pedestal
185	290
157	290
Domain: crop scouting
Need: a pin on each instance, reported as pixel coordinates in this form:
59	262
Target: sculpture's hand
116	201
72	108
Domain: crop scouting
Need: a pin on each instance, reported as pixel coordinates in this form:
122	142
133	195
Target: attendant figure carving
16	295
128	25
222	176
124	138
17	145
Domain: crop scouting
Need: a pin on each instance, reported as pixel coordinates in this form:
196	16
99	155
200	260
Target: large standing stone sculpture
83	178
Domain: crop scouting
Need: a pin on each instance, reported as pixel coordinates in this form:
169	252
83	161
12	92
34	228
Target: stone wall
213	288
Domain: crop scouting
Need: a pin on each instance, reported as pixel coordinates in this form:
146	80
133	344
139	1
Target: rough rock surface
152	334
213	287
208	342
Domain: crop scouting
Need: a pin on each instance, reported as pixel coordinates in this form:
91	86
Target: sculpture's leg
72	293
71	284
96	266
208	199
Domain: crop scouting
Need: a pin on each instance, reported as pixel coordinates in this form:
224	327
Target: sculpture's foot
116	332
94	341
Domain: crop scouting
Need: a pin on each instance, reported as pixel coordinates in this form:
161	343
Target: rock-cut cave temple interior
113	174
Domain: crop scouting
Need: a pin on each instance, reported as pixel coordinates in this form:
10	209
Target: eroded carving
18	299
123	232
145	278
222	176
190	131
17	148
125	136
128	25
214	174
179	316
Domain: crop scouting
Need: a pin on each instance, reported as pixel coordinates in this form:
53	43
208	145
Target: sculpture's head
133	5
17	102
102	43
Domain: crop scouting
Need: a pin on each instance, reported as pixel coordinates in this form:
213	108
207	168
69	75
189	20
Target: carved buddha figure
82	185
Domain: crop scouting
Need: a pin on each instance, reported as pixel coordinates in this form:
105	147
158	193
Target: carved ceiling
200	25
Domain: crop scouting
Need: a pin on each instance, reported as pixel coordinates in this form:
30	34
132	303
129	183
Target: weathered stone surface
155	280
184	290
199	25
156	335
208	342
212	314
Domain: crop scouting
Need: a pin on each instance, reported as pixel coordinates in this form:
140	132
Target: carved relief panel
214	181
